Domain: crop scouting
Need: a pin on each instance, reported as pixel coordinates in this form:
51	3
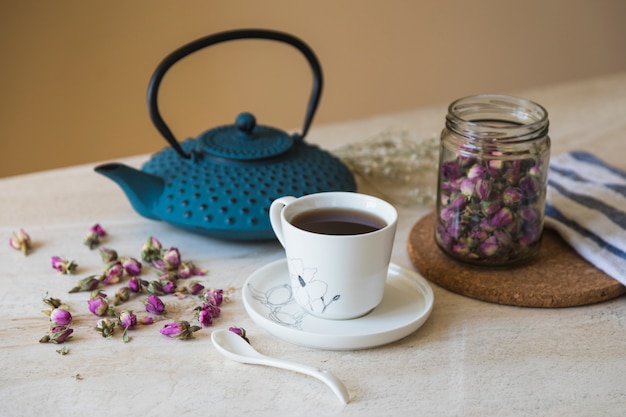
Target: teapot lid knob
245	122
245	140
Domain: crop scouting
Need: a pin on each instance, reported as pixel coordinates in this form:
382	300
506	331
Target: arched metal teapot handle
198	44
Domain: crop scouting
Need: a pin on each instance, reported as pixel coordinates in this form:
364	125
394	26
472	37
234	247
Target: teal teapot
222	183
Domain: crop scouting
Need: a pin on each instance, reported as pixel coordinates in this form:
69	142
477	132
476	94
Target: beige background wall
73	73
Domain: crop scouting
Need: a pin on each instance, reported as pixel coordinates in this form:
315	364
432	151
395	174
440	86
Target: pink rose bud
205	318
63	266
127	319
135	284
154	305
98	230
214	297
60	316
172	258
179	330
98	306
20	241
59	334
131	266
89	283
147	320
108	255
151	250
105	327
239	331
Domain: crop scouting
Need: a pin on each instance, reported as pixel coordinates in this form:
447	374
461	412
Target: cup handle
276	209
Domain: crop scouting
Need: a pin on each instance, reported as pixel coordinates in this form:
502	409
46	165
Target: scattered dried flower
151	250
131	266
60	316
89	283
154	305
20	241
63	266
92	238
239	331
99	305
127	320
106	327
179	329
108	255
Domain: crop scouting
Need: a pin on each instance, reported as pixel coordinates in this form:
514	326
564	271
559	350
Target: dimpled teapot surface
222	183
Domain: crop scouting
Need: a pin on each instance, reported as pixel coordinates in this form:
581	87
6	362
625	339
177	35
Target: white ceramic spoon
236	348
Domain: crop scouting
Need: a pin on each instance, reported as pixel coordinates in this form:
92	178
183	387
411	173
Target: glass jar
493	168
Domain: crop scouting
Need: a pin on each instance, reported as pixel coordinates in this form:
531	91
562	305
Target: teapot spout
142	189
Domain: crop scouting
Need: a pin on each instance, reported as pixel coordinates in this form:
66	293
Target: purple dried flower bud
511	196
214	297
113	273
483	188
171	257
529	214
98	306
105	327
131	266
60	316
476	171
187	269
127	319
169	287
154	305
121	295
156	288
467	187
20	241
458	203
450	170
57	334
98	230
108	255
502	218
194	288
63	266
239	331
151	250
146	320
528	185
135	284
489	208
89	283
490	246
179	330
205	318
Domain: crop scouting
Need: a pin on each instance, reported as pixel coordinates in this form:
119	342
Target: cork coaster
556	277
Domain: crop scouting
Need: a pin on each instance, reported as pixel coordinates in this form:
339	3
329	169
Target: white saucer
406	306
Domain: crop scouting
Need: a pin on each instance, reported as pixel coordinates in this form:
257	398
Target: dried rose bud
131	266
20	241
136	285
113	273
187	269
156	288
194	288
154	305
179	330
239	331
204	317
214	297
52	302
151	250
60	316
511	196
97	230
108	255
121	295
105	327
63	266
146	320
127	319
89	283
57	334
171	257
99	306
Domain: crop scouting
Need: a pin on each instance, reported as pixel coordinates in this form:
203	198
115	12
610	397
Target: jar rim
509	116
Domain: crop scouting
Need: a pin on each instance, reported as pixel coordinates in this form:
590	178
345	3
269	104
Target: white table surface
471	358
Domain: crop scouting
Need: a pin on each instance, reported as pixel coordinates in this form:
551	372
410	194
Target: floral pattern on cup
310	293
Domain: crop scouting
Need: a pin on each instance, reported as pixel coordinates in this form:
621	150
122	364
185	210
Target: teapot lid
245	140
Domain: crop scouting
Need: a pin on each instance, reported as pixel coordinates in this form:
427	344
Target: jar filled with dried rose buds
493	168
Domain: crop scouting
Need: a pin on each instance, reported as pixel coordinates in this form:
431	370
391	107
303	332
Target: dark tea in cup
337	221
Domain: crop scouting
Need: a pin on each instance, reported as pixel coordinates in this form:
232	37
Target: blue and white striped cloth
586	205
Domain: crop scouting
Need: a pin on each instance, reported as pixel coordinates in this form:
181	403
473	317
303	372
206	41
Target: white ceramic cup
336	276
